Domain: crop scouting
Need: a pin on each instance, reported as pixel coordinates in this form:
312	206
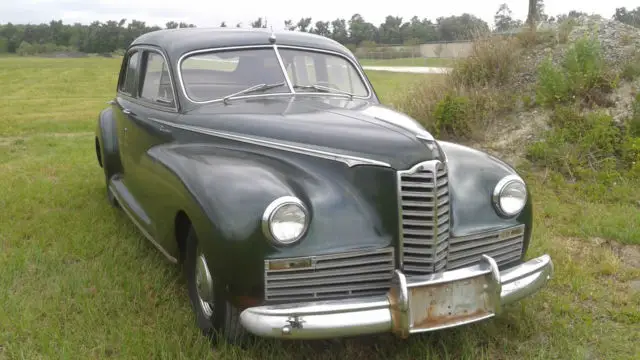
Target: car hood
346	127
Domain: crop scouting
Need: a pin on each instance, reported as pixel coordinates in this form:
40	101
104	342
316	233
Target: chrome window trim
173	88
349	160
275	48
284	70
271	209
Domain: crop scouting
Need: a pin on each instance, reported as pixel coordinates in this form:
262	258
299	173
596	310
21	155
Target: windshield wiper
254	88
324	89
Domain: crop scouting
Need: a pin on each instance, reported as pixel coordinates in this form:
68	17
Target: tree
573	14
339	31
25	49
463	27
258	23
223	24
532	16
172	25
503	20
536	13
361	30
288	24
628	17
4	45
303	24
322	28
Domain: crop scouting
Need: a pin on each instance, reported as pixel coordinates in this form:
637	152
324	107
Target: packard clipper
300	207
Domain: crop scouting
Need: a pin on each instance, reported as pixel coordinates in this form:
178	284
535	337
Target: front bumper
412	305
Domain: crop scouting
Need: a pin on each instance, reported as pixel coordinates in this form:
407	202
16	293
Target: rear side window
130	72
156	84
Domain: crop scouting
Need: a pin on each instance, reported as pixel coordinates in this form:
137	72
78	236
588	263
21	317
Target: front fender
227	190
473	176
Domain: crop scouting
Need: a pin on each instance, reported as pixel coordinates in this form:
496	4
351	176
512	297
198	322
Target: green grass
431	62
80	282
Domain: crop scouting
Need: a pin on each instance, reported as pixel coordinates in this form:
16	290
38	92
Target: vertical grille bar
423	197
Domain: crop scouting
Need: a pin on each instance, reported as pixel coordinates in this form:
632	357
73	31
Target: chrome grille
503	246
424	217
331	276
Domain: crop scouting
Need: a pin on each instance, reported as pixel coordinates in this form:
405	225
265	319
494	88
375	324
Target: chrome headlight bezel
272	210
505	183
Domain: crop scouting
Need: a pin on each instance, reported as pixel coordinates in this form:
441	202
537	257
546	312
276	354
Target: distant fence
445	50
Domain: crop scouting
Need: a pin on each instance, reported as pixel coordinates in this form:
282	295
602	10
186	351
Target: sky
207	13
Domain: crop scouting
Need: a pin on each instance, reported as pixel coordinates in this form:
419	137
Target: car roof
182	40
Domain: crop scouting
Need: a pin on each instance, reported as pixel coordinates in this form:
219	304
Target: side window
128	81
156	84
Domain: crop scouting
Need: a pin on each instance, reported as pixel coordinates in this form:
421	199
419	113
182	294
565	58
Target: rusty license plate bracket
452	303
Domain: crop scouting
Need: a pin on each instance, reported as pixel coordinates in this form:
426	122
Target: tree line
112	36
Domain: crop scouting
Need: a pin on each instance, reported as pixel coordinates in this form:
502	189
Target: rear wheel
215	316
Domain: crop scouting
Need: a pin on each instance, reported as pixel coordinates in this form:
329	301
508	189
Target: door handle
127	112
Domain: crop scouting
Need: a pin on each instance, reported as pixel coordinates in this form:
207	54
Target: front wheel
215	316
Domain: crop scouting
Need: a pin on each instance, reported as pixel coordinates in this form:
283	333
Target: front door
127	85
154	107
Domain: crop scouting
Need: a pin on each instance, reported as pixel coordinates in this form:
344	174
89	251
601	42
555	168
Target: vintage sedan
300	207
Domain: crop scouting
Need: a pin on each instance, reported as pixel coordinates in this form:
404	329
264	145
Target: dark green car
298	205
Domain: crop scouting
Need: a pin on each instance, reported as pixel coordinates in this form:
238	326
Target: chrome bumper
412	305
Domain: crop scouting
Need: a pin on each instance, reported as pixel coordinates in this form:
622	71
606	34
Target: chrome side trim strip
350	161
144	232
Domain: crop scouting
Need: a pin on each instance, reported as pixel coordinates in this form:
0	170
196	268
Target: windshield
308	69
212	76
226	74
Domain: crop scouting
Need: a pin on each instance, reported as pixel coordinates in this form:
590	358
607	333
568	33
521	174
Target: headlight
285	220
510	196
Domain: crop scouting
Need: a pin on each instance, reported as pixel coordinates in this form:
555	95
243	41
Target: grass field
432	62
78	281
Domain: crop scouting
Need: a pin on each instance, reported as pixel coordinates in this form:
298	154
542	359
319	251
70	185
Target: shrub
452	115
25	49
553	86
582	75
564	30
493	62
634	122
631	69
586	147
4	45
529	39
464	103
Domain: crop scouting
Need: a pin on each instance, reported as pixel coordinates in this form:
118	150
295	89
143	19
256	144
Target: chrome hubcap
204	285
